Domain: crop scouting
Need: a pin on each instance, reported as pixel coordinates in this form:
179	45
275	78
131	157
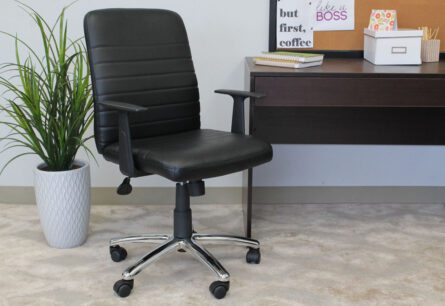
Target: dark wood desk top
351	67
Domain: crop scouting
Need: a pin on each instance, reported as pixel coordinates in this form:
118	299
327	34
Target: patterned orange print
382	20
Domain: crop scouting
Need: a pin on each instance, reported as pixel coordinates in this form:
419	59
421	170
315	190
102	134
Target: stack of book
289	59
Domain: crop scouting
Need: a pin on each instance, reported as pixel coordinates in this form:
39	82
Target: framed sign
292	22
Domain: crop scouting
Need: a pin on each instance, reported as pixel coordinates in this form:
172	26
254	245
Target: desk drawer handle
398	50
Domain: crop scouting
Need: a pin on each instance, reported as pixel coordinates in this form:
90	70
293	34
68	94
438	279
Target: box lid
395	33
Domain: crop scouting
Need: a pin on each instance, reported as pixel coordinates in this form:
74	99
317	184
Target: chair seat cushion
195	154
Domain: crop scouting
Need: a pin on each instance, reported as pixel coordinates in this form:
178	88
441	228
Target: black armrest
126	161
240	93
122	106
238	123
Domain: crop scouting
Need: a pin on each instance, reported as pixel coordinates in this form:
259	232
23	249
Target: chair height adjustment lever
125	188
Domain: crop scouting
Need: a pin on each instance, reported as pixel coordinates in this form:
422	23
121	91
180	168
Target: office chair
147	120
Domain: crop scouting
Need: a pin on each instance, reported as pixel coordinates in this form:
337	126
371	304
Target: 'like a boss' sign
334	15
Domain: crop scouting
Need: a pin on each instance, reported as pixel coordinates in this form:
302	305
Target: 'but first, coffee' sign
297	19
294	24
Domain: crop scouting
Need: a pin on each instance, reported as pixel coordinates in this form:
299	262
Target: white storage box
400	47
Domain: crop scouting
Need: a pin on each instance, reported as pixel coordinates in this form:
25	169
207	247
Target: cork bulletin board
410	14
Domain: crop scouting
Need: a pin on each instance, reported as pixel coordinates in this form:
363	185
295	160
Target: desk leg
247	202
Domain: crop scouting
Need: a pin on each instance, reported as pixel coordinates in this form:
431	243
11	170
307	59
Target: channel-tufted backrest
141	56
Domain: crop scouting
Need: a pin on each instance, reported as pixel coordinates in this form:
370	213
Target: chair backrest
141	56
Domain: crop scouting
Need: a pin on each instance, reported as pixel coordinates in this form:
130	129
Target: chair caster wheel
117	253
123	287
181	250
253	256
125	188
219	289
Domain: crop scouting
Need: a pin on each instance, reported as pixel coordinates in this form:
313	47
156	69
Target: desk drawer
350	125
360	92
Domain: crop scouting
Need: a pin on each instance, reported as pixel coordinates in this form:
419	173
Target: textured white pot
63	200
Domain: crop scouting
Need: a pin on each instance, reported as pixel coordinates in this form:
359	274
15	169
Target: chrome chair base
184	238
169	243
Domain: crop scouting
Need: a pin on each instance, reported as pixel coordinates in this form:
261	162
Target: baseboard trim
139	196
366	194
262	195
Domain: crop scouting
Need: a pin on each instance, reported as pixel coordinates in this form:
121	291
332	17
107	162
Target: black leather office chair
147	121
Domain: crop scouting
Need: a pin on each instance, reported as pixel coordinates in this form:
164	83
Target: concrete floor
311	255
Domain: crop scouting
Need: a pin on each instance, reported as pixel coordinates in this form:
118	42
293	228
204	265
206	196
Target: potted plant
48	106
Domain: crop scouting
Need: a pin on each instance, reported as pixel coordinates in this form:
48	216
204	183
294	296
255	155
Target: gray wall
221	34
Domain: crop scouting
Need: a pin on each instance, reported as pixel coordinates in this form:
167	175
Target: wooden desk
344	101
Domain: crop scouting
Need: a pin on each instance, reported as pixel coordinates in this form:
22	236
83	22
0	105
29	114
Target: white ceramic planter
63	200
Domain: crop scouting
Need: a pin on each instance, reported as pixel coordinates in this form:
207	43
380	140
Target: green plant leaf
50	109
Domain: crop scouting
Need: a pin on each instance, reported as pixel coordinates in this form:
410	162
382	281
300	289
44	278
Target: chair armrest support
238	122
126	161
